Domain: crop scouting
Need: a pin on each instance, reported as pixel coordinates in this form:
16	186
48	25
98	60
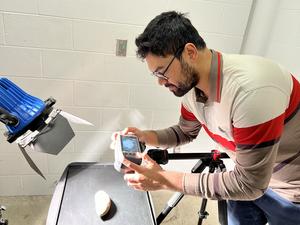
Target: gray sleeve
184	132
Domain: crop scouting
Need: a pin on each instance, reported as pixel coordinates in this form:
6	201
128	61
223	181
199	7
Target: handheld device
127	146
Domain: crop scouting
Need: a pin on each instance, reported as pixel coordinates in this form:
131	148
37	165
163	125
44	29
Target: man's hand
150	176
146	137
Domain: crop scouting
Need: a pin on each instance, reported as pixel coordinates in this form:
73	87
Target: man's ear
190	51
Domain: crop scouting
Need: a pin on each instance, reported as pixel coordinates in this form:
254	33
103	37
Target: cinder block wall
284	42
66	49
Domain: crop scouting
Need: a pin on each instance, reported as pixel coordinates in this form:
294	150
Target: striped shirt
253	114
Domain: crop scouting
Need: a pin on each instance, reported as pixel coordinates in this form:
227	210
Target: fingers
112	145
137	186
135	181
128	130
114	135
113	138
137	132
125	131
133	166
148	159
132	178
143	178
132	130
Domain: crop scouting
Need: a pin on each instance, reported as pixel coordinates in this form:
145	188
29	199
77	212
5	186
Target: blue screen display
129	144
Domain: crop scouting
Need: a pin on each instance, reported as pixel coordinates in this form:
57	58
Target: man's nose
162	81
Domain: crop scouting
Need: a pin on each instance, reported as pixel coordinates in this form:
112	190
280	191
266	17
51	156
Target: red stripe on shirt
294	99
187	115
270	130
260	133
224	142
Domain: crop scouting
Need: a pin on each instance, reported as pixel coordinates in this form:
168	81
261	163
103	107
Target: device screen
129	144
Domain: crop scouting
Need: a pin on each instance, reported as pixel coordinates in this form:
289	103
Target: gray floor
185	213
32	210
29	210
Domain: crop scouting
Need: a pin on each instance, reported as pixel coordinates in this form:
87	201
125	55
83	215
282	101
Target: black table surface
73	202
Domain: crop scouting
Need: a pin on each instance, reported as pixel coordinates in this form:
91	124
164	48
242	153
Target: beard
191	79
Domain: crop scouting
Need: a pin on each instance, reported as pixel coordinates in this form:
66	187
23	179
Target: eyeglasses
162	75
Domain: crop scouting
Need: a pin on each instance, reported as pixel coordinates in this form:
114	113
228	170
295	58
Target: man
247	104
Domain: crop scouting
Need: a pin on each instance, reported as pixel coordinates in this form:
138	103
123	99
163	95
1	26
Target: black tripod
3	221
212	161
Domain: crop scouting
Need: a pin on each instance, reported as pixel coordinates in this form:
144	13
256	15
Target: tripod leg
170	205
3	222
202	213
198	168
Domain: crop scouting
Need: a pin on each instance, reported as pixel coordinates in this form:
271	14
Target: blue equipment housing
32	122
17	108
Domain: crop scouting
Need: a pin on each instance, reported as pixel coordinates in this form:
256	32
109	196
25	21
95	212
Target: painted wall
66	49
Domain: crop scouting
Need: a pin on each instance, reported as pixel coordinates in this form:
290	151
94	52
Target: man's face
177	75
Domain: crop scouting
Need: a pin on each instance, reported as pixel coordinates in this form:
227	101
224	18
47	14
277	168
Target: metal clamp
31	136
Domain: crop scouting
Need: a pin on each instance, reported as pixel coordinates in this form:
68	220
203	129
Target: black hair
166	34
